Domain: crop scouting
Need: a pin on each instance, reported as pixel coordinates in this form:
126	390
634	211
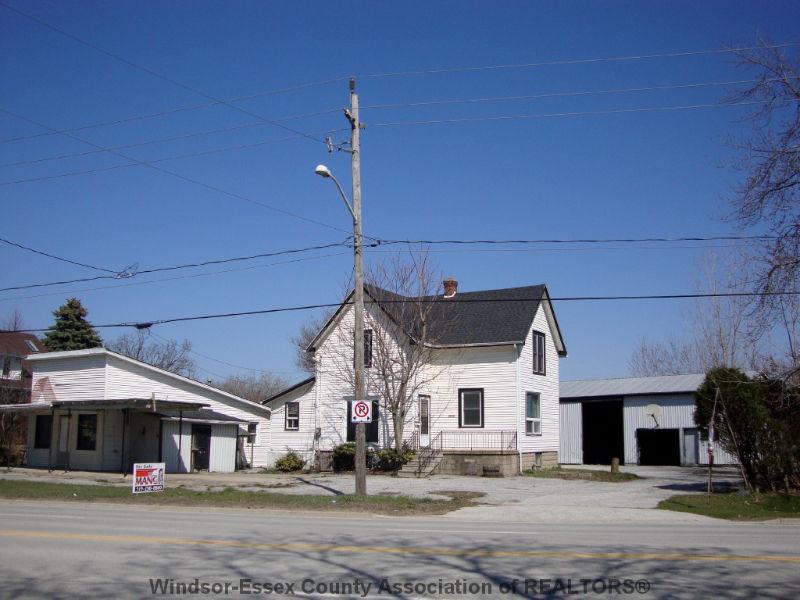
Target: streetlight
358	314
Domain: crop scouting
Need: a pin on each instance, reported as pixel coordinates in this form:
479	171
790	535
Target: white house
98	410
640	420
490	397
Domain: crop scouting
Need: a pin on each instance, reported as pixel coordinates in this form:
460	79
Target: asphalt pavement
71	550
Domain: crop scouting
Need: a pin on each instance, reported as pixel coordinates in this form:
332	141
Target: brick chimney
450	287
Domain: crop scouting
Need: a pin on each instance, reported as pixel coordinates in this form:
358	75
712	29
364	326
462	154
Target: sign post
148	477
361	412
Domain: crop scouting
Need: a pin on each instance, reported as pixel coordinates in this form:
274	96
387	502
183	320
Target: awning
28	407
137	404
202	416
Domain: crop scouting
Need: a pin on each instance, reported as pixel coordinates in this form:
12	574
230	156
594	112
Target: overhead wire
178	267
456	300
578	61
394	105
174	278
154	73
179	176
163	140
55	257
616	111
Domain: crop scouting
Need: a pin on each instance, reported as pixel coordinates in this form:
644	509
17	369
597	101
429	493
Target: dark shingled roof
484	317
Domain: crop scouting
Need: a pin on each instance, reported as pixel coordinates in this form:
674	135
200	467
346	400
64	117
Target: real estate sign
148	477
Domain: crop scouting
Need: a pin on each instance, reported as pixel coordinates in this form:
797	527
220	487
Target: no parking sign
361	412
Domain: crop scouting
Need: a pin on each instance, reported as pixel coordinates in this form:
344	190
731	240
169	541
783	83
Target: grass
233	498
584	474
735	506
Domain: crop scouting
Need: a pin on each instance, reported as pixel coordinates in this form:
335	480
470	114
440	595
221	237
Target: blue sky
594	176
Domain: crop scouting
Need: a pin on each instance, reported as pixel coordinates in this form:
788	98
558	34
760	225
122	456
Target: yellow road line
400	550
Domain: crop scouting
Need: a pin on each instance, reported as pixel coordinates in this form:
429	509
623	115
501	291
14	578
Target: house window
470	407
252	432
538	353
87	432
370	429
292	416
533	414
367	348
6	367
31	346
44	431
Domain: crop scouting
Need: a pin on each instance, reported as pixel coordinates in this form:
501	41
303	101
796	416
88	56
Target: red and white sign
148	477
361	412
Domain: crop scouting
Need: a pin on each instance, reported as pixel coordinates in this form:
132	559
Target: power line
176	267
149	324
382	242
162	140
155	74
176	278
163	113
579	61
699	238
216	360
616	111
178	175
150	162
53	256
560	94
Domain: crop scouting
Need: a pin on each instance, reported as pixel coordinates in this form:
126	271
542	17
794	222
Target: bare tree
169	355
406	315
768	196
304	360
13	321
721	330
255	388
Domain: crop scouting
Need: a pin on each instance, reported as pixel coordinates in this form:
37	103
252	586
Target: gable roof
19	344
291	388
483	318
45	356
632	386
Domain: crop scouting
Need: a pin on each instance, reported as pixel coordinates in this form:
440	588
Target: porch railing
491	440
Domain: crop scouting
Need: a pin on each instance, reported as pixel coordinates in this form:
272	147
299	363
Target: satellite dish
654	411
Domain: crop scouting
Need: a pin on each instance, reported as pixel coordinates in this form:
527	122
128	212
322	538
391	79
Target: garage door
659	446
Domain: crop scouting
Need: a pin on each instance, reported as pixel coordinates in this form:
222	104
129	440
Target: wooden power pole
358	308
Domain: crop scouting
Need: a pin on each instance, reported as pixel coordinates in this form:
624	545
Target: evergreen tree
71	331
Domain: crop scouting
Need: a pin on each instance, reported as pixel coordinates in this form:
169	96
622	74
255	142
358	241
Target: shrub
289	462
390	460
344	457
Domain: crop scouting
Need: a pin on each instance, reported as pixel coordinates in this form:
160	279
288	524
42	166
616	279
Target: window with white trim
292	422
533	414
470	407
539	362
252	432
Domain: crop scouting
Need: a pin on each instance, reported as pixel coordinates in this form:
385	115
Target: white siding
174	440
77	378
677	413
222	458
129	380
545	385
302	440
493	369
571	438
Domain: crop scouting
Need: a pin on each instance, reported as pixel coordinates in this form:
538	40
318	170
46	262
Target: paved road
60	550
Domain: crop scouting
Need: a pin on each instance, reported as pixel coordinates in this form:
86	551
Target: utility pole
358	309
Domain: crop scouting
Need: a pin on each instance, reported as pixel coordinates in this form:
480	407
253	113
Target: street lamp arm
344	196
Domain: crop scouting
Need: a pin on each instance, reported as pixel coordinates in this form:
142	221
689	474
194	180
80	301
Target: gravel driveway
528	499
